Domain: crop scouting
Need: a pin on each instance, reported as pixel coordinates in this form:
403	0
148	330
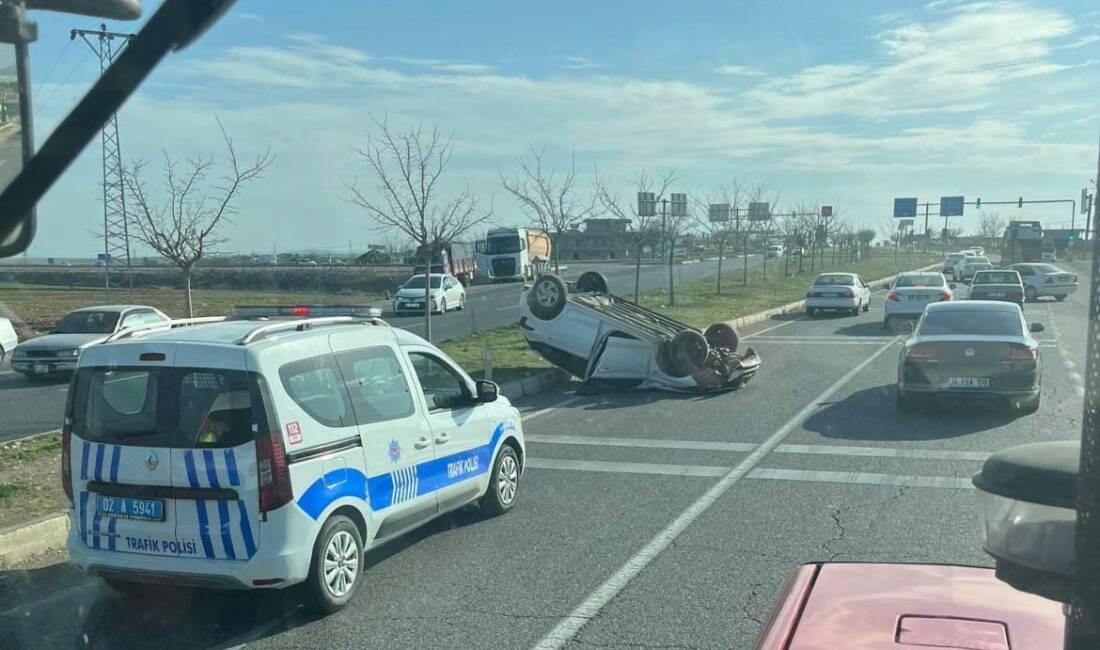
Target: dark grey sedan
57	352
971	349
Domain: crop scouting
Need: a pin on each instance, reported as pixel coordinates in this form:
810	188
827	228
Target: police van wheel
503	484
337	565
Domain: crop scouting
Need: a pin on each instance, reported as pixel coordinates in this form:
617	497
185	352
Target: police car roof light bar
303	324
162	326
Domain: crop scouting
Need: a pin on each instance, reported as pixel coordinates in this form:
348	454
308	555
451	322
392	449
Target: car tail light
920	354
66	458
273	472
849	294
300	311
945	295
893	295
1021	354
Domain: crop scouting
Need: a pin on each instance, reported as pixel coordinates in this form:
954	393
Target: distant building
601	239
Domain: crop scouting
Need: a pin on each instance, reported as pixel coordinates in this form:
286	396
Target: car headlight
69	353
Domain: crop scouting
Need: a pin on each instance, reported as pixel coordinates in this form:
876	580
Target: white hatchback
840	292
911	292
249	454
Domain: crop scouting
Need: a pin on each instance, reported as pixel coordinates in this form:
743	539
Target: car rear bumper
1056	289
832	303
910	389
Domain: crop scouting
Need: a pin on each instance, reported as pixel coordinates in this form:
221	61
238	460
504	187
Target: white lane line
861	478
882	452
627	468
774	327
508	308
568	627
7	372
644	443
790	340
543	411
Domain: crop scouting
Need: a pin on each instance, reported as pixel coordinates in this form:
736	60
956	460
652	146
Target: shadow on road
16	380
66	608
871	414
874	328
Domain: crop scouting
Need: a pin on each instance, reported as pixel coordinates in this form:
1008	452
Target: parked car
446	293
58	351
911	292
997	285
8	339
838	292
775	250
1042	279
968	266
603	339
971	349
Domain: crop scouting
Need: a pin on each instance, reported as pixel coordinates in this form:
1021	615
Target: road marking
508	308
860	478
774	327
790	340
7	372
882	452
627	468
568	627
543	411
645	443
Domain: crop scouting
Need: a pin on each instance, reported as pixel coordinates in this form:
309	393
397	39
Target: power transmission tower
116	226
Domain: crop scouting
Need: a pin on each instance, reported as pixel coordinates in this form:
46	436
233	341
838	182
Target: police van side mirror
486	391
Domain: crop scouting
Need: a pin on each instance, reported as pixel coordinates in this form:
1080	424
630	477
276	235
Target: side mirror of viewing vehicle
486	391
1036	328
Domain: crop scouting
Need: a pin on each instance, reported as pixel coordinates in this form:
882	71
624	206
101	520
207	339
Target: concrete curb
22	542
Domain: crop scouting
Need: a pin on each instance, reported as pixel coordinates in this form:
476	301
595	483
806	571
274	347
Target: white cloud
464	68
738	71
578	63
244	15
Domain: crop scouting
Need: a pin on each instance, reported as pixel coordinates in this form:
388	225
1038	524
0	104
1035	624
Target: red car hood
920	606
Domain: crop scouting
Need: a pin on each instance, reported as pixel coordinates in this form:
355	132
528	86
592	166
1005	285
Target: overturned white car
606	340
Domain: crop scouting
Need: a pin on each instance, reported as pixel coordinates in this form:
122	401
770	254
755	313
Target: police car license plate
41	368
968	382
128	508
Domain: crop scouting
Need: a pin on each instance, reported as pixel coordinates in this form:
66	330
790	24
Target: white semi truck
513	254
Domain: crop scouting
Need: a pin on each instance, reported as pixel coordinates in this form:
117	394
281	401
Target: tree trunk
764	260
188	307
671	290
745	261
428	302
721	246
637	271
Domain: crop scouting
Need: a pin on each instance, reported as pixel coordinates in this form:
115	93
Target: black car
970	349
1003	285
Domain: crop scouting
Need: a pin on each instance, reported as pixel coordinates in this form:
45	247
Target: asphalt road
632	530
29	406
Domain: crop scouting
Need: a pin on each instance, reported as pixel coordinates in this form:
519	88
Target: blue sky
851	106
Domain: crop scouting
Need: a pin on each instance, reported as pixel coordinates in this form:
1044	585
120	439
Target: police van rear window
168	407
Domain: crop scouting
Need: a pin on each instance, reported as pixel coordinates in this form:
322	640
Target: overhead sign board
826	211
647	204
759	211
905	208
678	204
718	212
951	206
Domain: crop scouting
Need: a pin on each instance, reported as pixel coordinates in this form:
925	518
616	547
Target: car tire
442	306
690	351
722	335
1031	294
547	297
461	302
591	281
1030	405
888	323
810	311
1059	297
905	403
340	546
867	307
500	497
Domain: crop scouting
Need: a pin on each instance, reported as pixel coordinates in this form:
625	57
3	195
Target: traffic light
1020	202
978	203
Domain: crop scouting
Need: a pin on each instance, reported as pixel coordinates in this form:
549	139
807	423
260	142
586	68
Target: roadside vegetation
30	479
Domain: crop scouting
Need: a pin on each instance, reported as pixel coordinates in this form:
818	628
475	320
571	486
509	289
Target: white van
261	454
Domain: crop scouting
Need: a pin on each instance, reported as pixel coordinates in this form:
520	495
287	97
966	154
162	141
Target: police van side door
396	439
459	425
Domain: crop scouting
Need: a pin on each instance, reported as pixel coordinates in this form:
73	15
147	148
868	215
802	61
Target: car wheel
1030	405
547	297
867	307
810	311
905	403
503	483
591	281
443	306
1059	297
462	302
888	323
690	351
1031	294
722	335
336	567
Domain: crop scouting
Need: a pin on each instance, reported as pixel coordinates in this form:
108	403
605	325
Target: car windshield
996	277
87	322
970	322
927	280
835	280
417	282
685	248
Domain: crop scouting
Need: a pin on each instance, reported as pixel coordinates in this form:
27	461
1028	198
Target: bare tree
991	227
185	227
549	198
719	232
645	230
406	167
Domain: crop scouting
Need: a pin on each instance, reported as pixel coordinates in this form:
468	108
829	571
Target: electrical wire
53	67
65	80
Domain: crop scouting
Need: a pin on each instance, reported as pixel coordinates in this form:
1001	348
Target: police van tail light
893	295
945	295
66	458
273	472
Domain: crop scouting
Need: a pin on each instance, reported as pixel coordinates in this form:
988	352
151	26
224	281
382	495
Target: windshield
502	245
632	288
417	282
970	322
829	280
929	280
996	277
87	322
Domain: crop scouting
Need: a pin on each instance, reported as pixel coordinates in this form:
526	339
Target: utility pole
116	224
927	241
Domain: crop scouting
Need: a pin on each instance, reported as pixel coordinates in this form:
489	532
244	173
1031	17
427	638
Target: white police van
261	454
